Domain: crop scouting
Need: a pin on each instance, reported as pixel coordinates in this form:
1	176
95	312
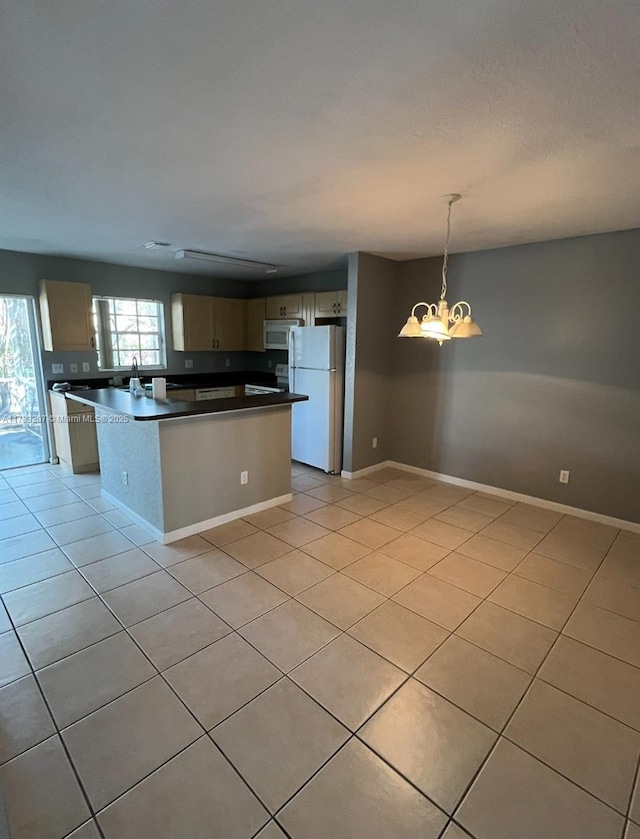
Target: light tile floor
386	658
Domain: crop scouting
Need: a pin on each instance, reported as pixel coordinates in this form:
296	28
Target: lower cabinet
74	433
186	393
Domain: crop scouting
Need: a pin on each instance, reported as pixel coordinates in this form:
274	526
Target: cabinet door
255	310
274	308
326	304
65	310
284	307
292	305
229	331
188	394
193	322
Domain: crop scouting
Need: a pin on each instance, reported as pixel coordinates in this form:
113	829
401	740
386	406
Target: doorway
23	434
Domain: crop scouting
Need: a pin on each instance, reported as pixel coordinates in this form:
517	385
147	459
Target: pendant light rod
440	322
451	198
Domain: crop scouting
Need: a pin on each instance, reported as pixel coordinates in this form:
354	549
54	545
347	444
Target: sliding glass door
23	430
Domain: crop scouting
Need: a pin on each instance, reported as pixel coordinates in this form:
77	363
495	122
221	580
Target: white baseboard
565	509
362	473
192	529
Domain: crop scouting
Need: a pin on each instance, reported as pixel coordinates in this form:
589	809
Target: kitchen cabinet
229	323
65	314
309	309
203	323
331	304
284	307
192	317
204	394
255	312
74	433
186	393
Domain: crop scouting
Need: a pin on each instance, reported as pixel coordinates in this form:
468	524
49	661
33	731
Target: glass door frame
35	336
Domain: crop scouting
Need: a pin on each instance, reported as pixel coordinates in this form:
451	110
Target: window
127	328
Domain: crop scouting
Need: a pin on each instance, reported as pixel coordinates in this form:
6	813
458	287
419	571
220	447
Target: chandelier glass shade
439	322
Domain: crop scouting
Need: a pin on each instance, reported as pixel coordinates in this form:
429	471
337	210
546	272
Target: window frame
104	335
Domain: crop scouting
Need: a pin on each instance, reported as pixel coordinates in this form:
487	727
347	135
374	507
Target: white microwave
276	333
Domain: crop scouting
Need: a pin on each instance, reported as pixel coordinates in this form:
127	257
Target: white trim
565	509
198	527
368	470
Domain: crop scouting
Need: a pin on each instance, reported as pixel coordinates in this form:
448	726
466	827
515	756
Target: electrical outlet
125	478
57	368
86	367
188	363
564	476
244	478
227	362
73	368
374	443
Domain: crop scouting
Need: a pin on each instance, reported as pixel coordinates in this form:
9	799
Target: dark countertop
144	408
185	380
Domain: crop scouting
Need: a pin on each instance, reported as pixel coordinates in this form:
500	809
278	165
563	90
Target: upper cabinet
284	307
255	322
207	323
65	312
331	304
192	317
229	323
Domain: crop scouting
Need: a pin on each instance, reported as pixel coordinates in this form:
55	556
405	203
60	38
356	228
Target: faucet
135	386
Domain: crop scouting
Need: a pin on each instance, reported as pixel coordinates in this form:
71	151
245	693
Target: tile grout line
57	734
510	718
346	631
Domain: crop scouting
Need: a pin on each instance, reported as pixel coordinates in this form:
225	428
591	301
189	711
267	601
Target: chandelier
439	321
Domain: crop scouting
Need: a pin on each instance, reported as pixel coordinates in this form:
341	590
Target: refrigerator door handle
292	369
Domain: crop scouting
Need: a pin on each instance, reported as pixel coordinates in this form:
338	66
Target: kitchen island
176	467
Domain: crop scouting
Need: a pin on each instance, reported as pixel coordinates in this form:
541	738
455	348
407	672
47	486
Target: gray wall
370	334
553	384
20	273
319	281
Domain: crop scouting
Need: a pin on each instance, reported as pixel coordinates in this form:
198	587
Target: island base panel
183	475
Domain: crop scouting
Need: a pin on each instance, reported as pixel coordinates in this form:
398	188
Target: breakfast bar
177	468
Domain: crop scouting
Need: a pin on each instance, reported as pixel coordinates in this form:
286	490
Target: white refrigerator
316	369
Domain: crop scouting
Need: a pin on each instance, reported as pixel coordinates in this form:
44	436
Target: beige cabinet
186	393
331	304
255	312
207	323
192	318
74	432
229	323
284	307
309	309
65	313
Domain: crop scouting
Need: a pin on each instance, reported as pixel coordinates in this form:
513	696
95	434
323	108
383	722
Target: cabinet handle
335	307
339	307
284	311
93	342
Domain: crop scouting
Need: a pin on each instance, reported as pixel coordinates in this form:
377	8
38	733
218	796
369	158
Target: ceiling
296	131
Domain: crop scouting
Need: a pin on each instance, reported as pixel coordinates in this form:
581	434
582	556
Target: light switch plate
86	367
188	363
57	368
73	368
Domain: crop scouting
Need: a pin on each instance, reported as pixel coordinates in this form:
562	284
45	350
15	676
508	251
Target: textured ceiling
295	131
